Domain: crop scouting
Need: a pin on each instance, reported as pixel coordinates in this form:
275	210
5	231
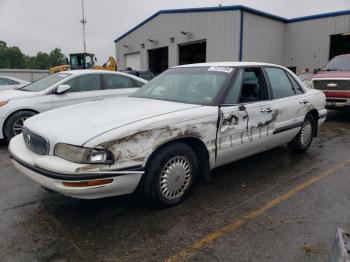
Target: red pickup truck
334	81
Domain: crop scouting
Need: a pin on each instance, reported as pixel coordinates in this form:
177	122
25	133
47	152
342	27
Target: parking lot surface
275	206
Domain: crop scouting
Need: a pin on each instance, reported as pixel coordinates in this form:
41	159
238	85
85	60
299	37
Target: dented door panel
243	133
290	114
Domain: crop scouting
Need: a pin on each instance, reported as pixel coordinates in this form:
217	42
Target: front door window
84	83
244	131
253	86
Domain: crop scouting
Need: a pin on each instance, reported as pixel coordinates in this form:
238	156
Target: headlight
2	103
83	155
307	83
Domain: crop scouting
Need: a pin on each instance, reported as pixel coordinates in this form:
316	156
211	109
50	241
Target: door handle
267	110
303	102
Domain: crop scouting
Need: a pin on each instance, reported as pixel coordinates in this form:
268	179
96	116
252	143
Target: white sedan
7	83
180	125
61	89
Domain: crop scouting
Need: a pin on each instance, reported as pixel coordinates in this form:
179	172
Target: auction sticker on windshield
221	69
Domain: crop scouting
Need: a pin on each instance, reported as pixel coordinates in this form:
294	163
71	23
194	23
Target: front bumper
337	100
32	165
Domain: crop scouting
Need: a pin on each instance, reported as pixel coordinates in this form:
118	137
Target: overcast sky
42	25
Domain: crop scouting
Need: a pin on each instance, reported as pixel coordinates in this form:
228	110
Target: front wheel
14	124
303	139
170	175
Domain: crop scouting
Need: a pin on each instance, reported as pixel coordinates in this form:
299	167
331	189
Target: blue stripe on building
235	8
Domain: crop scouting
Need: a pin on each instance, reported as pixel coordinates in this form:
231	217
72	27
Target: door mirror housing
62	89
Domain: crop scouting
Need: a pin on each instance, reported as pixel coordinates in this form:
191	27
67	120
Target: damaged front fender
133	148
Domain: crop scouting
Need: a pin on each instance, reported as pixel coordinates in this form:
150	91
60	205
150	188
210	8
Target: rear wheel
303	139
14	124
170	175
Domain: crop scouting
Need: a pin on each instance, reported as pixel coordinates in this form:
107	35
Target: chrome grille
35	143
332	84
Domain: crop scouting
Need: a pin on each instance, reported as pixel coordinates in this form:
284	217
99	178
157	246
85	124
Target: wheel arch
8	117
198	147
314	113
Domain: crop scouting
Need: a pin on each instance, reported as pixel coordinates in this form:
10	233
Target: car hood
330	74
15	94
80	123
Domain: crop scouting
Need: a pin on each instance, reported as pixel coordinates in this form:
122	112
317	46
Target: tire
170	175
13	123
303	139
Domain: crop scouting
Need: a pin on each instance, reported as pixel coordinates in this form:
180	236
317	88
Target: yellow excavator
84	61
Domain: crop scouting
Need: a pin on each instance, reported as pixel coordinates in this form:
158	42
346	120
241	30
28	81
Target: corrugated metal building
233	33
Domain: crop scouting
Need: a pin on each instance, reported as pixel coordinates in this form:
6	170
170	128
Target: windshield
338	63
45	82
200	85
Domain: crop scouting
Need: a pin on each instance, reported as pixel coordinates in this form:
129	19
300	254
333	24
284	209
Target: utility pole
83	22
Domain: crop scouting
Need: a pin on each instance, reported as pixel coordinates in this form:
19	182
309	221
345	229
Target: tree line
12	57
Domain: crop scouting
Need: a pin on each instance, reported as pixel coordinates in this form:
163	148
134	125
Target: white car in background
183	123
7	83
61	89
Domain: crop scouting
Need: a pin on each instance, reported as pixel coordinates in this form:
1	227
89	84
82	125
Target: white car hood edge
81	123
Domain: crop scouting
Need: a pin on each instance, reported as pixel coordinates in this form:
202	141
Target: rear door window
112	81
280	84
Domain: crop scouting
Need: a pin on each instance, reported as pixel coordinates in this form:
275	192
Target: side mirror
62	89
316	70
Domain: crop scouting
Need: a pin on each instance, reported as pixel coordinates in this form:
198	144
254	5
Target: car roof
346	55
230	64
136	71
94	71
86	71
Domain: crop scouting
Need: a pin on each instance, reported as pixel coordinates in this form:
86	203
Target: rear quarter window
136	83
297	88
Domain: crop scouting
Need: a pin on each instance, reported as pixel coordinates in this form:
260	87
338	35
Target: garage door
191	53
133	61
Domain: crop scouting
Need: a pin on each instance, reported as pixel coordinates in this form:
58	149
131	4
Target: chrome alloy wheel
175	177
306	133
18	125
